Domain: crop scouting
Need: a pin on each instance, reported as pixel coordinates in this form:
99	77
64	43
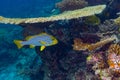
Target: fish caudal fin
42	48
18	43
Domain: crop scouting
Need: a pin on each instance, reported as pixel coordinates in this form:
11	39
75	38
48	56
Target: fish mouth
55	41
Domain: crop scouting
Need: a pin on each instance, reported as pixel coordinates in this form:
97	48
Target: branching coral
114	58
114	48
79	45
66	5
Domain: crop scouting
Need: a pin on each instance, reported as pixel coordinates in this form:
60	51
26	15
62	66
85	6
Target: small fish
89	58
118	13
92	20
42	39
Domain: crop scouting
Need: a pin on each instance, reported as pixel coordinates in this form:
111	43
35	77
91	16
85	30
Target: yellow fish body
42	40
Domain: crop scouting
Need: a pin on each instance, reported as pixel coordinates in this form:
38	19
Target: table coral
68	15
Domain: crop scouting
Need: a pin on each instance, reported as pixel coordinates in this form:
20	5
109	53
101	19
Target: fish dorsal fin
43	42
28	37
32	46
42	48
43	33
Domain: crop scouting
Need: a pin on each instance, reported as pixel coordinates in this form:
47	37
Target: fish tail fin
18	43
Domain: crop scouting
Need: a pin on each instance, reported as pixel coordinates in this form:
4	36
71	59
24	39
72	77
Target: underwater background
85	48
12	60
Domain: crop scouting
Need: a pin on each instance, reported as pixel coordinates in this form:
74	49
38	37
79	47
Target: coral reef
114	63
94	55
117	21
66	5
84	75
61	64
96	2
79	45
88	11
106	64
114	58
114	48
108	26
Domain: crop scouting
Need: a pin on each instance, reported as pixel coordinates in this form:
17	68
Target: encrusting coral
66	5
68	15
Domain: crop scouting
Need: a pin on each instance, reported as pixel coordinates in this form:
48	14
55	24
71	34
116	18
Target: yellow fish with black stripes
42	39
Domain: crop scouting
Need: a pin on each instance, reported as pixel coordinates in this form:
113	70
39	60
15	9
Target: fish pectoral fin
32	46
42	48
43	42
18	43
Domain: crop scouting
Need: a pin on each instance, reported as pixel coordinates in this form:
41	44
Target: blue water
13	62
26	8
